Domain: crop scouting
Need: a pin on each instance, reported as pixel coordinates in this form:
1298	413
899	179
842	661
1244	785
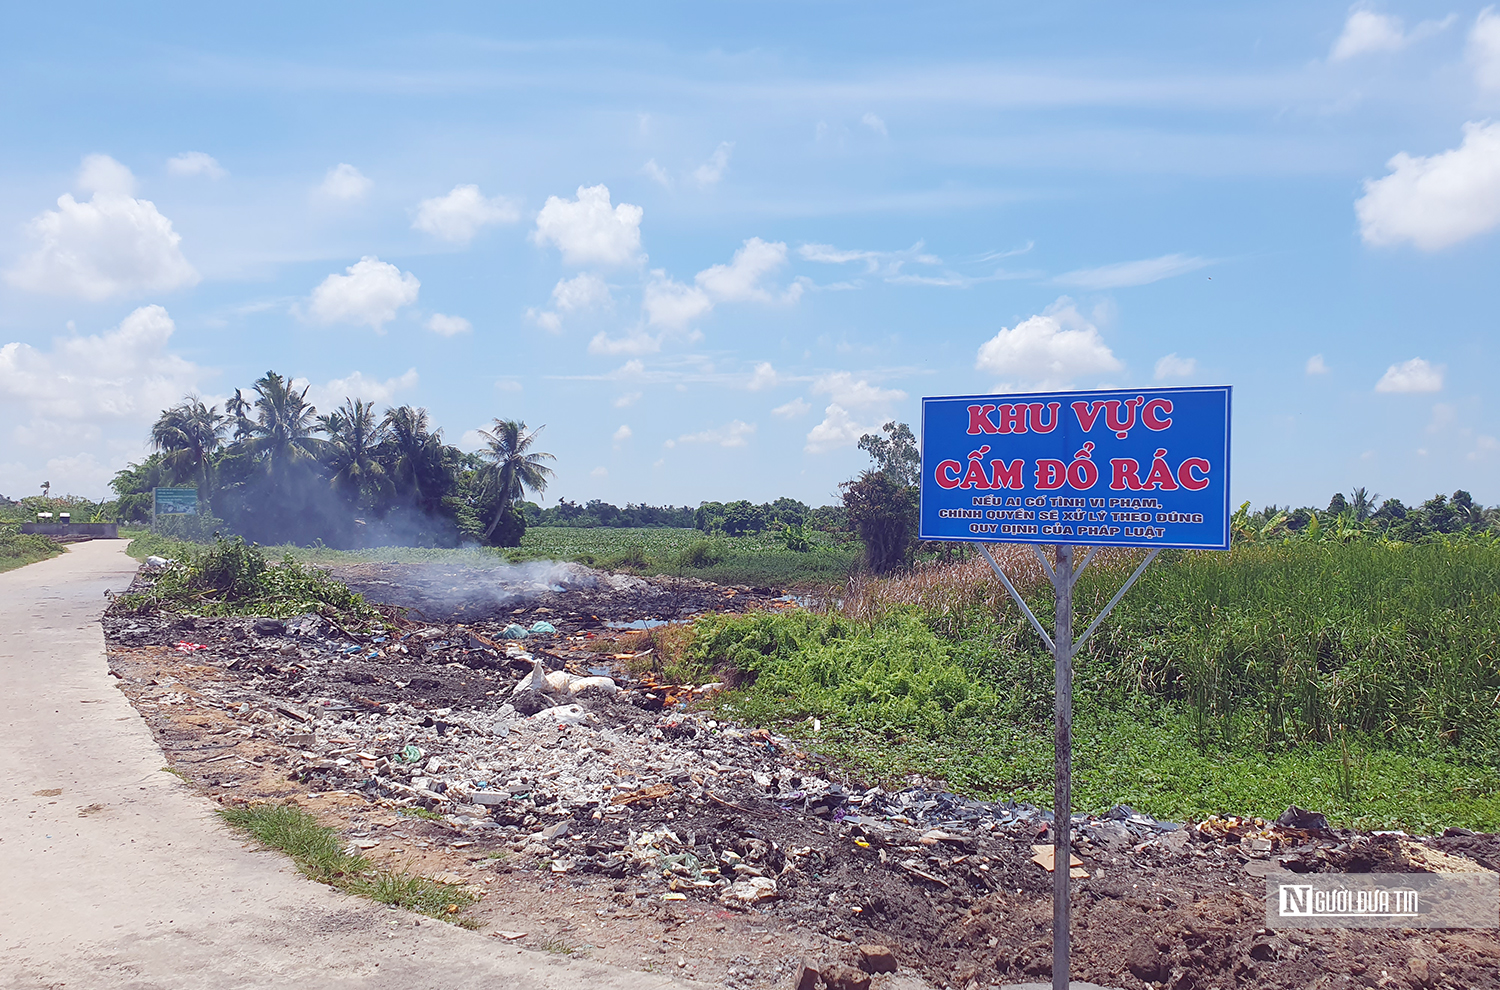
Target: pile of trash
532	739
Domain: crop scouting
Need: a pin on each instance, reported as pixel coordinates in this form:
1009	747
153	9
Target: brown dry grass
950	593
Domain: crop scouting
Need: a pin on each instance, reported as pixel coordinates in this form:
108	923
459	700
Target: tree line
1358	516
738	518
272	469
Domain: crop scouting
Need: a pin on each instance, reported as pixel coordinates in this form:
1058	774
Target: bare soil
665	806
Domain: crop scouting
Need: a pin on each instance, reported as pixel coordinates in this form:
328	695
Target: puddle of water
638	624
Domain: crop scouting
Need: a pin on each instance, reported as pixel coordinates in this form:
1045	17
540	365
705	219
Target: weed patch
233	577
18	549
319	856
1358	679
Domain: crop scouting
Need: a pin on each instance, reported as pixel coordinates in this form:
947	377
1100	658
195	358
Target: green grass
426	813
18	549
231	577
1360	680
319	856
759	560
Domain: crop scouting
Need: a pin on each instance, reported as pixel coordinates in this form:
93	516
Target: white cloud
838	429
791	410
1173	366
357	385
369	295
671	304
508	385
112	245
1128	273
886	264
764	376
458	216
81	473
102	174
1484	447
195	163
627	400
1366	31
875	124
1484	49
1048	350
735	433
583	291
345	183
1415	375
740	280
657	173
447	326
599	472
588	230
1439	200
633	342
1316	366
842	388
711	171
623	433
545	318
123	374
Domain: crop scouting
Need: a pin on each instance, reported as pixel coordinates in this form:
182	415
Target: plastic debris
543	627
563	715
183	646
514	631
411	754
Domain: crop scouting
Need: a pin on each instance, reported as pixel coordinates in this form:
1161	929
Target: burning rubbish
538	771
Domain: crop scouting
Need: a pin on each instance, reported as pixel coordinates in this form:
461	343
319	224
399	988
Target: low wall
99	531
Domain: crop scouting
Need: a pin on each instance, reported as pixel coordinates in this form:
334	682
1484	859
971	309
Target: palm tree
418	461
351	452
285	423
1362	502
188	435
238	408
509	470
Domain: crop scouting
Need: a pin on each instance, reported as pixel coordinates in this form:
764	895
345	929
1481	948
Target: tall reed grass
1272	645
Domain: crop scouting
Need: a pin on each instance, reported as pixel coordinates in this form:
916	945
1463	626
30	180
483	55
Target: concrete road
122	878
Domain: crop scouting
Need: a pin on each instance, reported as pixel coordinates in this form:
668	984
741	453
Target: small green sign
176	501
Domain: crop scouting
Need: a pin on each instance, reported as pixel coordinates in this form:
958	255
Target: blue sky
708	246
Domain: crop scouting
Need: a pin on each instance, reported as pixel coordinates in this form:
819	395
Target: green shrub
232	577
700	554
18	549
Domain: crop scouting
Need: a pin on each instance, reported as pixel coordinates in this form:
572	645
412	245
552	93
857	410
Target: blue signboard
1140	467
174	501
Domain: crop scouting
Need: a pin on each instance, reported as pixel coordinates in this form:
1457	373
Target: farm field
756	560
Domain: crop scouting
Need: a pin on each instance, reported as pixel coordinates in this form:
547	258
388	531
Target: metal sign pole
1063	576
1062	797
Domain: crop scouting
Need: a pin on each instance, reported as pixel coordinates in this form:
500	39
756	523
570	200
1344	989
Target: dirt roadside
631	829
116	874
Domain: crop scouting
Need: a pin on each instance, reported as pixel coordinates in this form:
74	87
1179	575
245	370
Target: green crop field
1357	679
755	560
